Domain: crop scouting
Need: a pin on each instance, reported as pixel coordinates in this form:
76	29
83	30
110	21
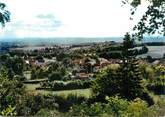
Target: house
83	76
104	62
27	62
156	62
39	63
114	61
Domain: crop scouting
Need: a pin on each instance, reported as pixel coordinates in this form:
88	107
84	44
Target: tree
4	14
18	65
33	74
53	67
108	82
164	56
10	91
67	61
55	76
126	81
9	111
133	86
14	64
153	20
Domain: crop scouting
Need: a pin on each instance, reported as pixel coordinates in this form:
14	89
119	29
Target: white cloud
53	18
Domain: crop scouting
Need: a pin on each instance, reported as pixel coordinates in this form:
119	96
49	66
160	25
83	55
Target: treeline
116	52
153	44
60	85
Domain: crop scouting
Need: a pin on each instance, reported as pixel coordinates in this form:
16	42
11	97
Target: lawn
31	87
27	74
79	92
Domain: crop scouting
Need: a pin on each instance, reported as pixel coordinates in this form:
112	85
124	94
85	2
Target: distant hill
74	40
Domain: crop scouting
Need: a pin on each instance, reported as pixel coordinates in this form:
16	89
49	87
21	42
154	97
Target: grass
79	92
31	87
27	74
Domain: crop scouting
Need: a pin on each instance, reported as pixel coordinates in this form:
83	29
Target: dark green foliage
164	56
157	89
4	14
118	52
4	57
111	54
153	21
53	67
15	65
32	104
40	59
19	78
70	100
107	82
33	74
133	86
115	107
55	76
126	81
86	110
57	68
77	84
61	56
10	90
48	113
29	105
67	62
149	59
157	82
131	79
18	65
38	73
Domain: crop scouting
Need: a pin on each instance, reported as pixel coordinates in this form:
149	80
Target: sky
68	18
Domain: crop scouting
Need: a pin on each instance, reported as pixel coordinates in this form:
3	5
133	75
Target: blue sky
68	18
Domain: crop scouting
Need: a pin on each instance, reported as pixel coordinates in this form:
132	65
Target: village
71	62
71	70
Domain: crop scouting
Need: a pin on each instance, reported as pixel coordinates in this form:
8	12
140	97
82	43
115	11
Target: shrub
86	110
139	108
115	107
47	112
55	76
60	85
107	82
9	111
19	77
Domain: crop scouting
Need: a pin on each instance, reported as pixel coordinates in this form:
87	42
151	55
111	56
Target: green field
78	92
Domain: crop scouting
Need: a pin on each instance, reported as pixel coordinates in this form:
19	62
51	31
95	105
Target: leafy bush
47	112
38	73
61	85
55	76
19	77
86	110
30	104
116	107
157	82
9	111
107	82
